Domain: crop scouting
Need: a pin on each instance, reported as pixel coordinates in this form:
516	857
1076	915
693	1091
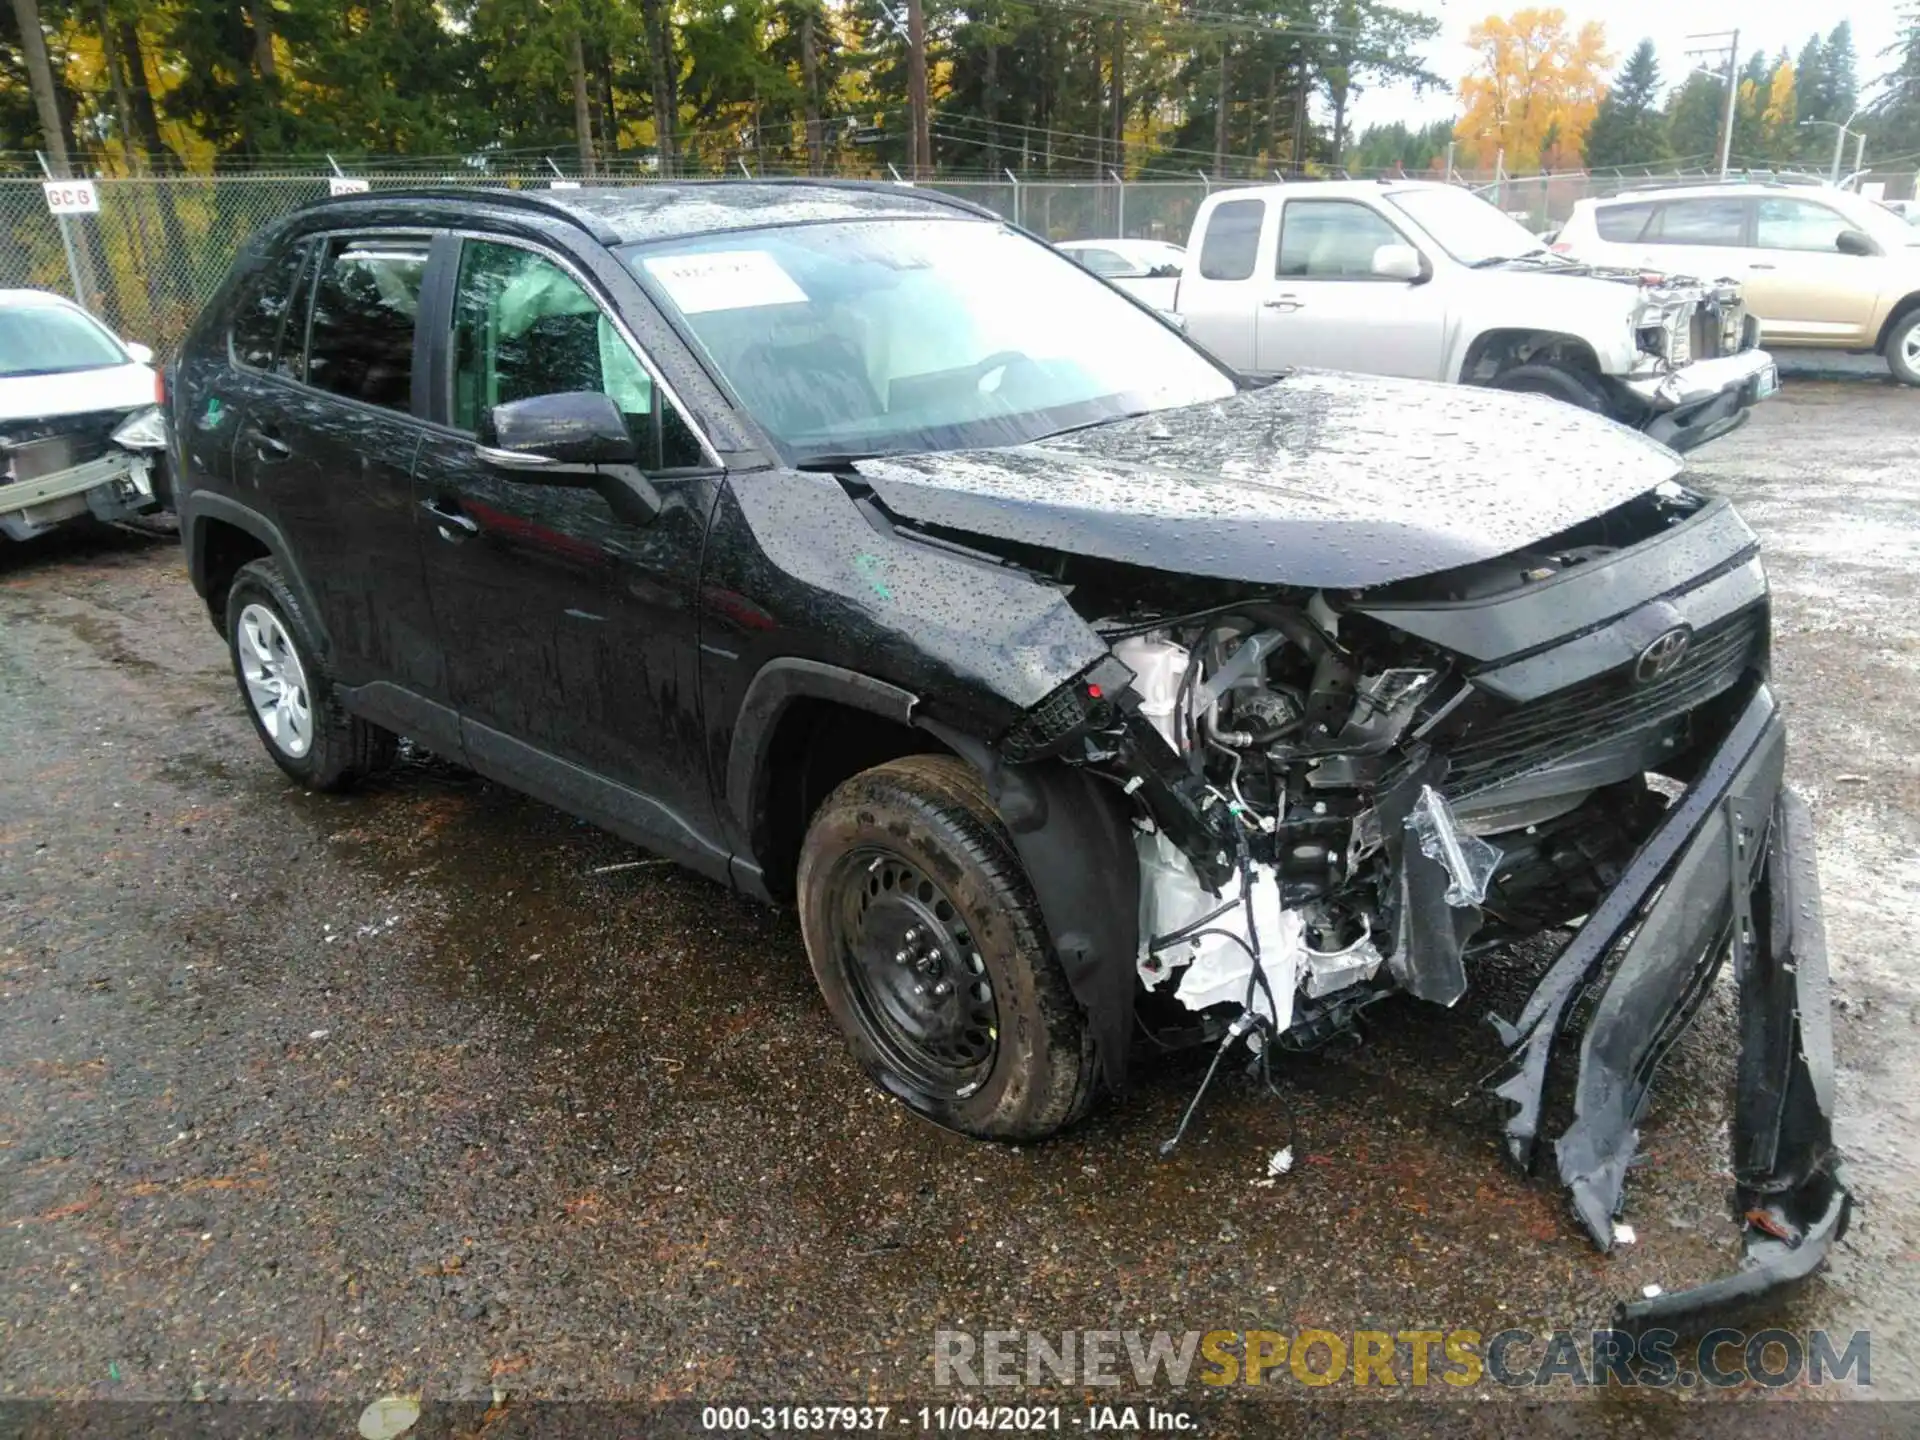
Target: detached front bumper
1704	400
1730	869
118	484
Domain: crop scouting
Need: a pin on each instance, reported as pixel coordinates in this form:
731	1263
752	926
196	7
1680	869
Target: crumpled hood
1319	480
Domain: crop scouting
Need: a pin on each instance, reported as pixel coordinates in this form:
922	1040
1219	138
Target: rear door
1323	306
1800	284
572	633
324	445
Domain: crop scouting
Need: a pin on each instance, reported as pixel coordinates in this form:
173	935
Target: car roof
673	210
1386	185
1718	191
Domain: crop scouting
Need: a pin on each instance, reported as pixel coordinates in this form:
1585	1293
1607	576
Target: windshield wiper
1493	260
841	461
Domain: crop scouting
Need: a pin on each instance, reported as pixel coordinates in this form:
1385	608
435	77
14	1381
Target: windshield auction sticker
727	280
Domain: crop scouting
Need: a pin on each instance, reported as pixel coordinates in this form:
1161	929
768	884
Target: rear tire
1575	387
288	690
1903	349
929	948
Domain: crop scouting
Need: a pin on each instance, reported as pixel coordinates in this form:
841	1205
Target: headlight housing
143	430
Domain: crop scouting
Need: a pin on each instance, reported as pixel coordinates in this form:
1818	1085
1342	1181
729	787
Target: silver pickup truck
81	431
1431	282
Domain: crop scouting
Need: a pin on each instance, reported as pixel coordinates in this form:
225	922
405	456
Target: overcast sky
1764	25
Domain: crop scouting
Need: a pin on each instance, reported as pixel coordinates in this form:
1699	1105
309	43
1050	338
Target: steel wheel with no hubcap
276	680
917	981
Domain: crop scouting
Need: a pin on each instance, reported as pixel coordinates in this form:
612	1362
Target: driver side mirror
1855	242
138	353
1400	262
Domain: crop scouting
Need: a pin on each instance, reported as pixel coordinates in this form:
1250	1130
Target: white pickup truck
1430	281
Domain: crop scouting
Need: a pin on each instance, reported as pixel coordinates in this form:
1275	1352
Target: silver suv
1817	266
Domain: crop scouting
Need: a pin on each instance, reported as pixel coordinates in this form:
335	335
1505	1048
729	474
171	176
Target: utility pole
46	102
917	89
1732	51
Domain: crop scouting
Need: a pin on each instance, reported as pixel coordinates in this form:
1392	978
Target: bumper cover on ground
1729	870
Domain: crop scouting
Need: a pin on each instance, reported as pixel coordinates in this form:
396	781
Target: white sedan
81	430
1147	269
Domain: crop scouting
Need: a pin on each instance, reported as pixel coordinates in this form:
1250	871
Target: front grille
1533	736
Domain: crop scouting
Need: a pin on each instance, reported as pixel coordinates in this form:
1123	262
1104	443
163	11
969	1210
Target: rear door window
1232	244
360	339
261	314
1622	224
1701	222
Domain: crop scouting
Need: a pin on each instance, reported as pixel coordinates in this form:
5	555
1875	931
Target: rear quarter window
1232	242
1622	224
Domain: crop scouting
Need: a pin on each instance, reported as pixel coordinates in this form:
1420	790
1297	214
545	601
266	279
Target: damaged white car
81	429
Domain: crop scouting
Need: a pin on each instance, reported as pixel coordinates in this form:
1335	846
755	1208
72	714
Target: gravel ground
432	1089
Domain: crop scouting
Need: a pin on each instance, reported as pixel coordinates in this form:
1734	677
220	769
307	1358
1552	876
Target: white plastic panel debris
1218	967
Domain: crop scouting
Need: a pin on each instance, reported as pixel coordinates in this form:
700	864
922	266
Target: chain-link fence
157	248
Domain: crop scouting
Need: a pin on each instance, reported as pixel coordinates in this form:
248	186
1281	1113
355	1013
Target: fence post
1016	195
1204	181
1120	188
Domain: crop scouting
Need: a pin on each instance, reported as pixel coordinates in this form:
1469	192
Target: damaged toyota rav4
859	551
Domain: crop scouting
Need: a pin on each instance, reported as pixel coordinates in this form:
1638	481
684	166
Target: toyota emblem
1660	658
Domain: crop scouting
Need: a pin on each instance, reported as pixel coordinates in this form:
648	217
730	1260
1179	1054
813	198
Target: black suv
854	548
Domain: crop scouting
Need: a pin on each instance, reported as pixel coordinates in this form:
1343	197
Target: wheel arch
1903	307
1509	345
220	535
803	727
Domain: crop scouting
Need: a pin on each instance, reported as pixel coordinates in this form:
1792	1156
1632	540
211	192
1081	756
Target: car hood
1339	481
76	392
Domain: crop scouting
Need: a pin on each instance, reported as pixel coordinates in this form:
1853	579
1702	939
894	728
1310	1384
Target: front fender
1557	305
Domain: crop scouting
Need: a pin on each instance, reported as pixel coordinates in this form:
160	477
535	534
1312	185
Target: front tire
1903	349
929	948
1575	387
288	690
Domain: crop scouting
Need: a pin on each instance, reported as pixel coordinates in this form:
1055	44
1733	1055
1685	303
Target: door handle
453	525
1284	302
267	442
1760	265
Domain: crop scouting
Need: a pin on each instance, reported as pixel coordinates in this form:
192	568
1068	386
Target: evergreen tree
1629	130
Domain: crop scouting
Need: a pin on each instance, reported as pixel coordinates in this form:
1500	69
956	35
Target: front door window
523	326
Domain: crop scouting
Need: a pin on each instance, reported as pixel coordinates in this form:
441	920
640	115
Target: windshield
53	340
869	337
1465	226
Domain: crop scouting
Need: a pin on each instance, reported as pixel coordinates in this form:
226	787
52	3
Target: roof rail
542	202
556	203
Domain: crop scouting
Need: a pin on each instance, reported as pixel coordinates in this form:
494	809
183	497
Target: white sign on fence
342	185
72	197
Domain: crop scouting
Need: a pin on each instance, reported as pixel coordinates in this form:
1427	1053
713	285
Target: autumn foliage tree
1534	92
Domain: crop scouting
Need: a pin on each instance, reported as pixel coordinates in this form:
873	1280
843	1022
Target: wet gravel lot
431	1088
